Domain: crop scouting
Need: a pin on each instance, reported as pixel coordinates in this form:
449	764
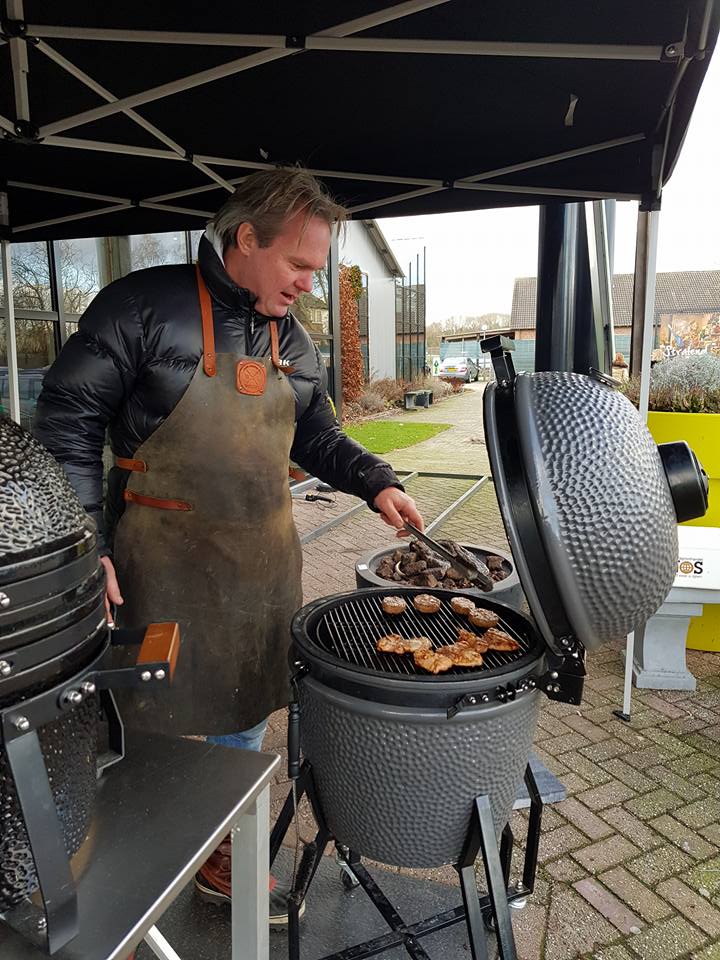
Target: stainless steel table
159	814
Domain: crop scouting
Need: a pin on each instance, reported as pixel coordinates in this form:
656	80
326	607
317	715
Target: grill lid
588	506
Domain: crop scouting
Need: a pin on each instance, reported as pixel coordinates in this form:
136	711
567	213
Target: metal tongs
466	564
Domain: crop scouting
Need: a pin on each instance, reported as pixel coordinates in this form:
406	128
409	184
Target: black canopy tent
114	125
129	119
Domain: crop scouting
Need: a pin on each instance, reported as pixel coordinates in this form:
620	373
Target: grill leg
497	887
57	887
506	852
533	838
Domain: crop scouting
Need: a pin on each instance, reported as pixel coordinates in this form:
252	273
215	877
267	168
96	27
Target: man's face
279	273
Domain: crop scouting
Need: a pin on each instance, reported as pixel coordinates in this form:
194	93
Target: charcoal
411	569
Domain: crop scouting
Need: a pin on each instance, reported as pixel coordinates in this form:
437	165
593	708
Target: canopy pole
643	337
10	332
334	310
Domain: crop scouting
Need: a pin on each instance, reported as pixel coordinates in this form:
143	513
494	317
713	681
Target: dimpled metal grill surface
609	523
69	746
398	785
37	504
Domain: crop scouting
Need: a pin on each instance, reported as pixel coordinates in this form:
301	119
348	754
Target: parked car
458	368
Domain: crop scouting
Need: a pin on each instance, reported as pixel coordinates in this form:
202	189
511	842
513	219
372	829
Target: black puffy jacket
133	357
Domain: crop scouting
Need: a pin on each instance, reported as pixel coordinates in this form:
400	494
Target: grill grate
350	630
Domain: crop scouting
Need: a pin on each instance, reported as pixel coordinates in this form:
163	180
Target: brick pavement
630	862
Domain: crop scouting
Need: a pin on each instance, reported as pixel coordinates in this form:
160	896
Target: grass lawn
380	436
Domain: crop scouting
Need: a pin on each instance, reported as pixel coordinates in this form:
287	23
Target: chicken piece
501	641
469	639
394	643
432	661
461	655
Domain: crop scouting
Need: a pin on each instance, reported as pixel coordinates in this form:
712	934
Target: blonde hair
266	200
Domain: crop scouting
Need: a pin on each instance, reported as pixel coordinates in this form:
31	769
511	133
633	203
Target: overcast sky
473	258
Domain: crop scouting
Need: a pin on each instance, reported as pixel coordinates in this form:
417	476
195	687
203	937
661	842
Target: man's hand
395	507
112	589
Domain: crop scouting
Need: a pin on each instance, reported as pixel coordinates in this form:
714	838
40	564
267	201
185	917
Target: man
208	386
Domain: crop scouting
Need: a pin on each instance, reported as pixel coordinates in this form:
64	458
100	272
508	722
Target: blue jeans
244	740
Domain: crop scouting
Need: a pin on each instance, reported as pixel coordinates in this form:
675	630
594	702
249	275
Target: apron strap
208	330
275	350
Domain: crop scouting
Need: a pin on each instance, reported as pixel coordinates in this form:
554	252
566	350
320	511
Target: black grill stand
489	911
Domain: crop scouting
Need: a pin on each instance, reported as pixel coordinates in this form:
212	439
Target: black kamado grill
54	696
419	770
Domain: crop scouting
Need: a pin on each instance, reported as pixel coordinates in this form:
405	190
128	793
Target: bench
659	657
417	398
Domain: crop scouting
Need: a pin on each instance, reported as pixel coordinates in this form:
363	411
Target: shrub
682	385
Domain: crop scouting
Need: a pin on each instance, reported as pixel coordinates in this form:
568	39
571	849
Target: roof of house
383	247
687	291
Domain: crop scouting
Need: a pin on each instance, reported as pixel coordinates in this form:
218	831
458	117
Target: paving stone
608	795
612	953
529	929
587	769
712	833
565	870
647	719
551	725
605	750
671	781
561	745
587	728
574	927
668	940
659	864
647	757
659	703
672	745
558	842
688	766
653	804
628	775
609	906
711	953
701	813
683	837
579	816
636	894
710	785
606	853
706	877
574	784
698	742
694	907
632	828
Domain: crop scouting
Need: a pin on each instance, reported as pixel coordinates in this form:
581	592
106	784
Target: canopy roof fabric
113	124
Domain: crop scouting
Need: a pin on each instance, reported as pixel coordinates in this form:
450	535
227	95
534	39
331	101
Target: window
363	320
156	249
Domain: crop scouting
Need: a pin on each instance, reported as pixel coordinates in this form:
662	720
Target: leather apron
208	539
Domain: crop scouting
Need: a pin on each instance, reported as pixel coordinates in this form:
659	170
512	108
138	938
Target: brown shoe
213	882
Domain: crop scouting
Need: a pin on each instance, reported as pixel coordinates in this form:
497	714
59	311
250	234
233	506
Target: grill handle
294	741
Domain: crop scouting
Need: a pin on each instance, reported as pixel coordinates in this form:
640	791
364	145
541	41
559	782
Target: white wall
359	250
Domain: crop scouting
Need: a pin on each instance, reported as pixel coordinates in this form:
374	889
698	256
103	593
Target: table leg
250	859
159	945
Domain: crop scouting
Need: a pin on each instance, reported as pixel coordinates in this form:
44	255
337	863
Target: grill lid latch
469	700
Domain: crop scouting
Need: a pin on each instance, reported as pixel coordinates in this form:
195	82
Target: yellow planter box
702	432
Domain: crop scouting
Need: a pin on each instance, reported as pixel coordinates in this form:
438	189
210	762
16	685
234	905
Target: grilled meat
501	641
432	661
462	605
426	603
393	605
473	640
461	655
394	643
484	619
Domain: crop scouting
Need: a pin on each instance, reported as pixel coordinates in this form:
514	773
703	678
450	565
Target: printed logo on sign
690	567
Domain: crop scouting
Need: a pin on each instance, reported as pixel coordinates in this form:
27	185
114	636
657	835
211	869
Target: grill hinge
565	678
